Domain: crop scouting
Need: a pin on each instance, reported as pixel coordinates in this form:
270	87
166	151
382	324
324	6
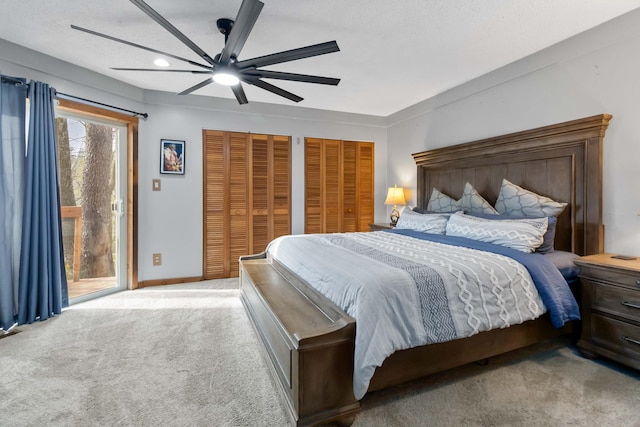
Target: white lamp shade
395	196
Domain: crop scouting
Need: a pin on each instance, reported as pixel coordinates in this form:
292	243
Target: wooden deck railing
75	212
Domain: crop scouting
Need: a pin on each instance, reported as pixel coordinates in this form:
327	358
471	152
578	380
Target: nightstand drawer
620	337
615	300
617	276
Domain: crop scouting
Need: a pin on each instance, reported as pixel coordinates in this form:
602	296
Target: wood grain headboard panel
561	161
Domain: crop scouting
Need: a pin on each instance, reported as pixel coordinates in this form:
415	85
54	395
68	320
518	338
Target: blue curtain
42	281
13	94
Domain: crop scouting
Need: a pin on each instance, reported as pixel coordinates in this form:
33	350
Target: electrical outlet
157	259
155	184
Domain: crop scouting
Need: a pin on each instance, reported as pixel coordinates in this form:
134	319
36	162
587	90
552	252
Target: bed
309	342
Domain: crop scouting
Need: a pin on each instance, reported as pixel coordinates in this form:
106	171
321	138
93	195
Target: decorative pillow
521	234
427	223
440	202
515	201
472	202
549	235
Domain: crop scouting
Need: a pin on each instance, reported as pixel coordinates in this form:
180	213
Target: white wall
595	72
170	221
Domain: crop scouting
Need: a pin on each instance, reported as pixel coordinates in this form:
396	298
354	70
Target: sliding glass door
93	191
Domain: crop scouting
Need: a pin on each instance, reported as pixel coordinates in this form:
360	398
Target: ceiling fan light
161	62
226	79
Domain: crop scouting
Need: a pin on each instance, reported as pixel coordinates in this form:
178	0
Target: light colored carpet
186	355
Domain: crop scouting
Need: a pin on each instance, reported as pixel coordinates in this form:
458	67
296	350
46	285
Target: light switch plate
156	184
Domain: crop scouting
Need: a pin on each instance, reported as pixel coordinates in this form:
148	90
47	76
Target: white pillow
517	202
522	234
427	223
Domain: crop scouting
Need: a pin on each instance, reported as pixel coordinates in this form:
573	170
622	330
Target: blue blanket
552	287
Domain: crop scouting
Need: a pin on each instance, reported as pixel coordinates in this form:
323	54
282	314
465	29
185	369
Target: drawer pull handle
638	282
631	340
630	304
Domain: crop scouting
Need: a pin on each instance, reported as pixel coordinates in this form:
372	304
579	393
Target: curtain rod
14	80
88	101
76	98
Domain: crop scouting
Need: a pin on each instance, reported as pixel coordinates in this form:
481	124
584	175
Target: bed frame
309	342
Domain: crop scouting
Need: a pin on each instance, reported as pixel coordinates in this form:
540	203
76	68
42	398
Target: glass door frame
130	124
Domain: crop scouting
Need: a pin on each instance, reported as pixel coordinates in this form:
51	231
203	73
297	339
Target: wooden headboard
561	161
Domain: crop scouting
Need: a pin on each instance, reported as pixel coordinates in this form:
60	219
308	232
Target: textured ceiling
393	53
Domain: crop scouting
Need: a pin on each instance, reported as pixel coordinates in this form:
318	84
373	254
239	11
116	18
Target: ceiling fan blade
239	93
173	30
164	71
268	74
242	26
289	55
274	89
115	39
202	84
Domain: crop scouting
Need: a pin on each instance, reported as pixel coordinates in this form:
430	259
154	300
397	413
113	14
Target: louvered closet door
350	186
271	193
339	185
214	232
313	199
281	186
237	172
261	192
247	197
332	186
365	184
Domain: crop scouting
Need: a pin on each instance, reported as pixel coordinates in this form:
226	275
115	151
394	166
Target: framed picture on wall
172	156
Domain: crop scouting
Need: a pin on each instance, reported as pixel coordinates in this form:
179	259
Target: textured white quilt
405	292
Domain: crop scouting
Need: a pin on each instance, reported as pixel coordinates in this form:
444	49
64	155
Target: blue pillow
564	262
549	235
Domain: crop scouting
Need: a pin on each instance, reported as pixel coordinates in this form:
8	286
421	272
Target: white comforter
480	290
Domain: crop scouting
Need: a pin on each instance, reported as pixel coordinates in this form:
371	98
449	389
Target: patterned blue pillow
440	202
470	202
427	223
521	234
515	201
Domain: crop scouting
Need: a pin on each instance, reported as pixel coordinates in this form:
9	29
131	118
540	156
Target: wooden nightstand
610	308
380	226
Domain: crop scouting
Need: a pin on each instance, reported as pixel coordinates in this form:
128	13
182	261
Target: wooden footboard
309	342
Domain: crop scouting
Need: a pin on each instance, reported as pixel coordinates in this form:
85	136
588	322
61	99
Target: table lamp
395	196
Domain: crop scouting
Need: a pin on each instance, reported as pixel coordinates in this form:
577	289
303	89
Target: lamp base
395	215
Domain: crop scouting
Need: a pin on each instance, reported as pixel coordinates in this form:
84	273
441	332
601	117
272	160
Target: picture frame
172	156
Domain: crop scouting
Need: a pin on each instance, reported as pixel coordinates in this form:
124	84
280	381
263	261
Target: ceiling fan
225	68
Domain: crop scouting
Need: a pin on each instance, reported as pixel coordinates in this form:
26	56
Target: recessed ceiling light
161	62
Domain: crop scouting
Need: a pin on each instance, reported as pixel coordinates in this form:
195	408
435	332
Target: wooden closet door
332	186
365	184
350	221
313	198
271	189
261	193
281	173
237	171
214	233
247	197
339	185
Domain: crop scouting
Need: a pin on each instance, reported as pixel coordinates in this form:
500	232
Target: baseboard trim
173	281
